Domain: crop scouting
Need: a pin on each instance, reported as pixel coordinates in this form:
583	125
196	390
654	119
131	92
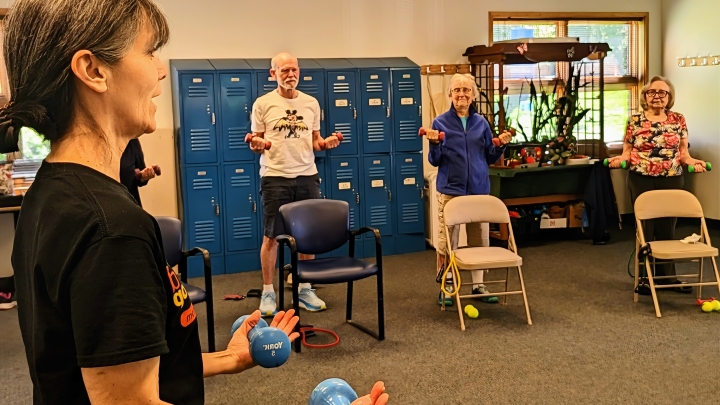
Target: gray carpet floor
589	342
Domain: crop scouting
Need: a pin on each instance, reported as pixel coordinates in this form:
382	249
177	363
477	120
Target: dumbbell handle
708	167
322	141
249	138
423	132
623	164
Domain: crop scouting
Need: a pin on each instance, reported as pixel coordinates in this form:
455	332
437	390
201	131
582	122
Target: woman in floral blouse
656	148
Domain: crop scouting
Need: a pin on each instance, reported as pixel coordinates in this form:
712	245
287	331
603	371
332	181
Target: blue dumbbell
269	347
333	391
236	325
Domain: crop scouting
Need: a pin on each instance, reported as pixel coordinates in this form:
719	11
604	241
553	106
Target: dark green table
537	185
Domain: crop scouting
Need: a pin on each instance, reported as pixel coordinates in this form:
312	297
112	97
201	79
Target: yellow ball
716	305
471	311
708	306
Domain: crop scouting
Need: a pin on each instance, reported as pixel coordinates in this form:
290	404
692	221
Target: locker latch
420	111
322	115
213	118
354	113
217	209
388	111
254	204
357	198
389	195
422	192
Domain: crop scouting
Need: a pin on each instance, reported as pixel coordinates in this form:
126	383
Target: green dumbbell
708	167
623	164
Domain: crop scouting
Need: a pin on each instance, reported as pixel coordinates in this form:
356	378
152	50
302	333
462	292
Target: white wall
426	31
690	29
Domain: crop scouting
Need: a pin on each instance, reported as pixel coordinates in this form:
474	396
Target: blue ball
236	325
270	347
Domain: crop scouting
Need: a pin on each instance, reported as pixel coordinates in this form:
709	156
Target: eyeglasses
463	90
657	93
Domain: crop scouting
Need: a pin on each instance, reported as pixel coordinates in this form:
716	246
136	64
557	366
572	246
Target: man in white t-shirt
290	120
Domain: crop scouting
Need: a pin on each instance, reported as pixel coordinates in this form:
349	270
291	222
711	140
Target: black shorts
277	191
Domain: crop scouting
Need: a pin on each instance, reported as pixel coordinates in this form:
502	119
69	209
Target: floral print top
656	145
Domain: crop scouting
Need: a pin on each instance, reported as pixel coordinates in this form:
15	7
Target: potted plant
568	113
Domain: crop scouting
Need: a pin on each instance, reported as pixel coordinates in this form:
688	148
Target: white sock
268	288
477	277
304	285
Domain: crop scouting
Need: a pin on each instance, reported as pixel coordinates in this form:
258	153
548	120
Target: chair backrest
667	203
171	231
318	225
475	208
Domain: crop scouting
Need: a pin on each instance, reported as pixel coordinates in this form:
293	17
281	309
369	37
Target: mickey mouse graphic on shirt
293	122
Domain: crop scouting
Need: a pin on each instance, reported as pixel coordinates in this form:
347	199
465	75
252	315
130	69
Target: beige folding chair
671	204
482	208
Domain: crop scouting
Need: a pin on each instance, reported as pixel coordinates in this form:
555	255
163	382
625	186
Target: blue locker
236	89
321	164
312	82
342	106
240	207
377	179
199	142
409	182
202	208
407	104
264	83
375	126
345	185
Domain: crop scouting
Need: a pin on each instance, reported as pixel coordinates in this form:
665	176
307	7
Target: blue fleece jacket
462	157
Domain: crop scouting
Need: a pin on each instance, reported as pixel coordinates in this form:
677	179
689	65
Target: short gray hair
466	79
671	95
41	38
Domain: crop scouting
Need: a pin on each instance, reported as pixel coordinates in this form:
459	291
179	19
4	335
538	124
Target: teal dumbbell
623	164
708	167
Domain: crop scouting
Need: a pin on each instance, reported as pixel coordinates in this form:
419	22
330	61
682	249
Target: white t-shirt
288	123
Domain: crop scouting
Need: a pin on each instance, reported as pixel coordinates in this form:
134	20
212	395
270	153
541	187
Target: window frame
632	83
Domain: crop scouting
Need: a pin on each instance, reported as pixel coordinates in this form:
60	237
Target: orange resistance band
314	346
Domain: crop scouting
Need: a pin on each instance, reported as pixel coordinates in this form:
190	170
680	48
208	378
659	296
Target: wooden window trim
540	17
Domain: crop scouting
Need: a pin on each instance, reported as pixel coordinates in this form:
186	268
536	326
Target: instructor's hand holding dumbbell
238	350
433	136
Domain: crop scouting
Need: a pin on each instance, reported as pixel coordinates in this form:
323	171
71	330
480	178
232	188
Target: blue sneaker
268	307
309	301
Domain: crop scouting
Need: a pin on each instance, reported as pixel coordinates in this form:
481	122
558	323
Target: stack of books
24	171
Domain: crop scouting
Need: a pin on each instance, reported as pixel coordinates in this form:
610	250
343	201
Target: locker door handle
389	195
419	111
254	207
357	198
217	210
354	113
422	193
213	118
322	115
388	111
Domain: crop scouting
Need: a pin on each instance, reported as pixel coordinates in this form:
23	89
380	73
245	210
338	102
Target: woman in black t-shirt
103	318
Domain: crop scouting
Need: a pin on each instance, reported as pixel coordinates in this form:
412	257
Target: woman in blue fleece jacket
462	159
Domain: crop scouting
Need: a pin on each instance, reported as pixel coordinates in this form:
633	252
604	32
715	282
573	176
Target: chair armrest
289	241
366	229
206	259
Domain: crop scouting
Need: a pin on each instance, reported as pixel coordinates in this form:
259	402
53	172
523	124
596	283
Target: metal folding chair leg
522	287
459	305
700	278
650	273
717	275
507	282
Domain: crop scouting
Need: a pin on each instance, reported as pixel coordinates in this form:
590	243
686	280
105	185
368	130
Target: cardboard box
546	223
575	215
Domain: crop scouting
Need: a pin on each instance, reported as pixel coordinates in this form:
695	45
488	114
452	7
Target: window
625	67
